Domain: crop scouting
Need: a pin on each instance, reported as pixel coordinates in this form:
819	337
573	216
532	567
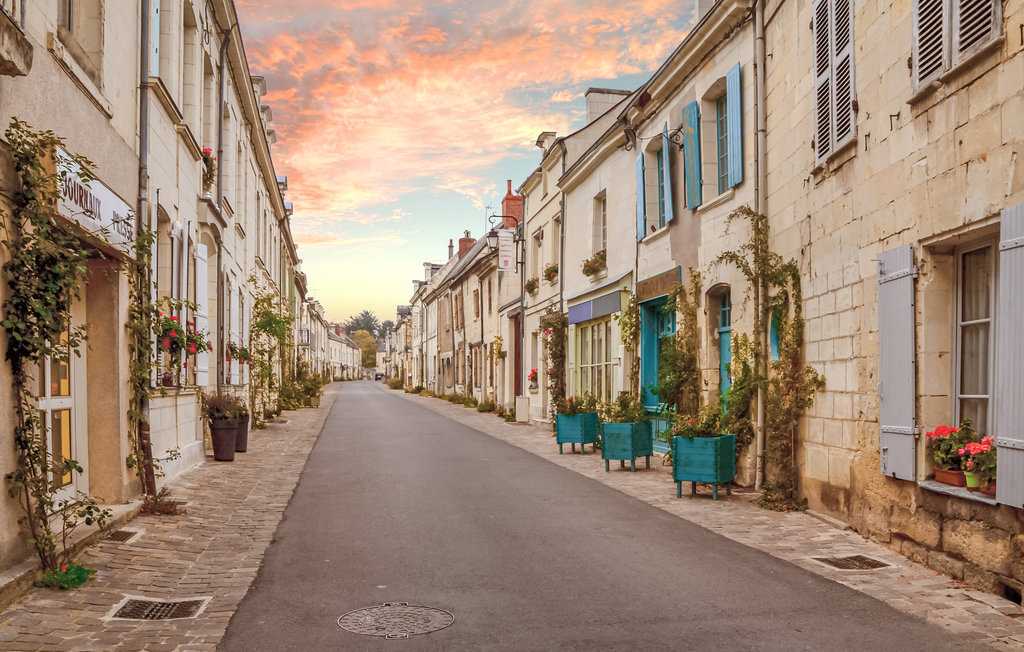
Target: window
947	32
538	253
834	87
476	303
660	157
80	29
490	298
55	404
975	299
600	230
724	342
721	122
594	350
654	187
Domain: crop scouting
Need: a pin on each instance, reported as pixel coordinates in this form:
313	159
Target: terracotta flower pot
989	489
953	478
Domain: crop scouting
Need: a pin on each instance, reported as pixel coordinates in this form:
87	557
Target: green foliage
368	345
417	389
469	401
364	321
629	327
577	405
485	406
45	272
596	263
270	328
946	443
510	415
428	393
707	422
66	577
223	406
678	365
624	408
531	285
555	326
395	383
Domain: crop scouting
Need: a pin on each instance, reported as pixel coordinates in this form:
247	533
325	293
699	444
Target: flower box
626	441
704	459
952	478
579	429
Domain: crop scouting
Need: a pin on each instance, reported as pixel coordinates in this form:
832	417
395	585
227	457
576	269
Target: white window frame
586	381
956	397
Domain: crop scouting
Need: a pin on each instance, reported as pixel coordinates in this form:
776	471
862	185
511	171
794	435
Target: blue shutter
1009	385
691	154
734	111
641	211
666	171
897	392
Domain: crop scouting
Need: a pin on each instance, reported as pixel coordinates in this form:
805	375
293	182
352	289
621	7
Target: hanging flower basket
209	169
531	285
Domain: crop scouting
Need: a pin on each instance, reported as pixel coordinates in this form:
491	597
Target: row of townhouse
142	93
345	357
884	142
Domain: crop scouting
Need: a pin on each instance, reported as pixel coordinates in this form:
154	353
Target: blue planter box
580	429
704	459
626	441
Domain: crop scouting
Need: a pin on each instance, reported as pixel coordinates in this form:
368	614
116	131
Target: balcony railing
15	10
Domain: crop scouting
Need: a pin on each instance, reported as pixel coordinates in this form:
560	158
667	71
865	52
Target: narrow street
400	504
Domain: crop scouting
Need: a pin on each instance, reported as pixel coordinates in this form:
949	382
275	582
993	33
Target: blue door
724	344
654	325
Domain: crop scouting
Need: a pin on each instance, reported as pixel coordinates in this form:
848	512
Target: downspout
561	258
760	192
221	91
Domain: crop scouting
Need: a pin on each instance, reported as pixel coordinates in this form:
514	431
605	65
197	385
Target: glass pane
599	343
60	439
584	345
60	381
974	359
608	341
585	379
977	410
976	269
599	380
41	375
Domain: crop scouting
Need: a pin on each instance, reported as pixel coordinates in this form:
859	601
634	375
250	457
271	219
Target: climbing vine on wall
269	329
678	366
45	271
555	326
629	328
788	384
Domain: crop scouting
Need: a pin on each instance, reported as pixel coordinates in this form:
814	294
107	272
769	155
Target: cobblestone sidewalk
794	537
213	552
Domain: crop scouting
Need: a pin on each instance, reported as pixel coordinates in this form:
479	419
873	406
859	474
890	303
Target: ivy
269	332
45	271
555	325
629	329
678	369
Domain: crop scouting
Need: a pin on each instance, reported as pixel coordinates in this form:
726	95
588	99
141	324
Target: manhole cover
122	536
395	620
853	562
138	609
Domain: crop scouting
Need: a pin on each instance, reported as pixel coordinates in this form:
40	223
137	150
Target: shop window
55	405
594	353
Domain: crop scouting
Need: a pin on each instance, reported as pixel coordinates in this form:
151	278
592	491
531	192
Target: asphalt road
400	504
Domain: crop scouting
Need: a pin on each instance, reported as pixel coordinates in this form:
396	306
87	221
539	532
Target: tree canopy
364	321
368	344
386	327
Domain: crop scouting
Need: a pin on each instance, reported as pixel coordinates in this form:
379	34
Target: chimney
465	243
599	100
511	205
428	271
337	329
451	249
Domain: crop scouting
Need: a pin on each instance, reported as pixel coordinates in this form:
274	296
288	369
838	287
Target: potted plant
979	462
242	427
551	272
625	431
531	285
596	263
701	453
946	445
221	412
209	169
576	422
532	378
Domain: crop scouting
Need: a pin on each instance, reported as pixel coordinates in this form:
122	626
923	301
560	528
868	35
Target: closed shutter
896	362
244	313
154	66
1009	385
822	79
666	173
641	209
691	154
202	315
842	72
734	116
930	53
975	23
234	337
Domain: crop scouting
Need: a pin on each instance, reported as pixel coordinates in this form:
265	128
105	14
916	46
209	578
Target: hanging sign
506	250
95	206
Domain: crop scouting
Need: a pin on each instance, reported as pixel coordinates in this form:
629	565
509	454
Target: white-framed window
974	333
947	32
600	228
835	91
594	353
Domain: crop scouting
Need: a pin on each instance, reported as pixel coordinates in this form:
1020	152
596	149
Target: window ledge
956	492
836	159
599	276
717	201
656	235
77	73
966	69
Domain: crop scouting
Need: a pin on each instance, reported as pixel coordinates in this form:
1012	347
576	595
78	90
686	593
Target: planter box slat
580	429
626	441
703	459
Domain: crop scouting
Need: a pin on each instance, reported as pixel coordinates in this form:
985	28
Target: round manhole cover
395	620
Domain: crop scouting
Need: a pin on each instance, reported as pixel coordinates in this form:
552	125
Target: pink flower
693	421
64	568
970	464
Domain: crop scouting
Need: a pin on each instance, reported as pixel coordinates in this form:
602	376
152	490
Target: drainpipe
221	91
760	193
561	257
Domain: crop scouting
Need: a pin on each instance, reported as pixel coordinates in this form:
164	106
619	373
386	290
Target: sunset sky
399	121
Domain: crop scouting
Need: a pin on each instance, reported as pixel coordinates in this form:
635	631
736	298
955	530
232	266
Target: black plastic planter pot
242	435
222	432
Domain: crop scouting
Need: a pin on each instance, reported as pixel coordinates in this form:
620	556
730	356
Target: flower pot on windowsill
168	380
952	478
972	480
989	489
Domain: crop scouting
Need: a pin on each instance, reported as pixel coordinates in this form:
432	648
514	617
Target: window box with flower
531	285
979	460
209	169
596	263
946	445
551	273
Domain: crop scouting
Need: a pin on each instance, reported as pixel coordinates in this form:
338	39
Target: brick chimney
511	205
466	243
337	329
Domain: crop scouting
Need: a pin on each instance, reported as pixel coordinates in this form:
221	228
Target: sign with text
506	250
95	206
657	286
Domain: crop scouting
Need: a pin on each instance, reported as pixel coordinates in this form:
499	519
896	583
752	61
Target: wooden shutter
154	35
930	52
843	82
641	208
975	23
896	362
244	314
822	79
734	117
691	154
202	360
233	326
666	173
1009	385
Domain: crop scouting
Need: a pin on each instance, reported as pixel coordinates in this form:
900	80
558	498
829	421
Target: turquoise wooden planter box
704	459
580	429
626	441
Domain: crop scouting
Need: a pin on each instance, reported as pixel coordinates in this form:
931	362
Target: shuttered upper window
835	121
946	32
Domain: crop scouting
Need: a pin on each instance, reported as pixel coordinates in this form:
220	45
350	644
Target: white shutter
822	79
843	81
931	24
246	308
154	68
897	374
975	23
235	334
202	320
1009	385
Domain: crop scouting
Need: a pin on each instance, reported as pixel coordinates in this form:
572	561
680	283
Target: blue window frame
661	188
722	122
724	343
773	339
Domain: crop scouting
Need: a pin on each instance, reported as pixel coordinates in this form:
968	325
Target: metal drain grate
122	536
395	620
138	609
853	562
